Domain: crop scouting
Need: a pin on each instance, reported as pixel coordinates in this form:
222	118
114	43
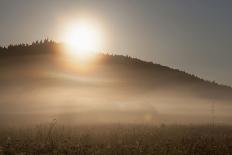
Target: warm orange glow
82	40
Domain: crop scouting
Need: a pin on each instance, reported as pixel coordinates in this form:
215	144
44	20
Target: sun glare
82	40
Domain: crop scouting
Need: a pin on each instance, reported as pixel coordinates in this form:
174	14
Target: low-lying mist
116	89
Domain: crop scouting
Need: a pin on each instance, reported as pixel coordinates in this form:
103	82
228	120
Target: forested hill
132	72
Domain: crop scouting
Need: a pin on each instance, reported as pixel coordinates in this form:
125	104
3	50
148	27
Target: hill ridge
51	47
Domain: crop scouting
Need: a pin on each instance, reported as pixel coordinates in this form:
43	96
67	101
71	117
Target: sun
82	39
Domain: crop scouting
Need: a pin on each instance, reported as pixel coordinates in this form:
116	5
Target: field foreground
117	140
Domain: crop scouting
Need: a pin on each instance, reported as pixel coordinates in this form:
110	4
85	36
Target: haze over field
115	77
38	81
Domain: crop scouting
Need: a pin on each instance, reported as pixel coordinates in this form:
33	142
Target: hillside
137	72
39	78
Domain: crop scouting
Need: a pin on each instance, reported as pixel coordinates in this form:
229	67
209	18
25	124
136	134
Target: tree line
37	47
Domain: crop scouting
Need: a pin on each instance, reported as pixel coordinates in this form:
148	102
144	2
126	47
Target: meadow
117	139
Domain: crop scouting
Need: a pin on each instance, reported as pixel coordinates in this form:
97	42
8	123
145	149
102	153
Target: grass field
116	139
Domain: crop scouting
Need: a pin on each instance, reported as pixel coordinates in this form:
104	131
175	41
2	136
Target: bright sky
191	35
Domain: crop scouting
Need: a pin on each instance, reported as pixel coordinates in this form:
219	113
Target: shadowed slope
37	80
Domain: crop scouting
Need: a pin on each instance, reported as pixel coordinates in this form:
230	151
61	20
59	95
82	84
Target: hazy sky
192	35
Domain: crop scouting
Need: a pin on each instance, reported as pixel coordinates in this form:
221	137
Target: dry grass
117	140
